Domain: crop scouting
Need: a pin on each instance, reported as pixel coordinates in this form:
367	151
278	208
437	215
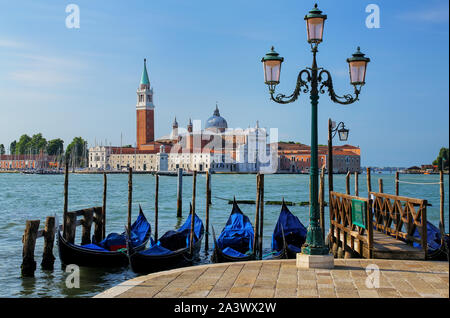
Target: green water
25	197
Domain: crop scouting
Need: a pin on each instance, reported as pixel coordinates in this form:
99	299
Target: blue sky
82	82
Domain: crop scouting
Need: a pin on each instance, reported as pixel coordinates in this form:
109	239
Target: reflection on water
26	197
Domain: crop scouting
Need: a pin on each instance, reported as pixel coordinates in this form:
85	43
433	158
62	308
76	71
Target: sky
68	82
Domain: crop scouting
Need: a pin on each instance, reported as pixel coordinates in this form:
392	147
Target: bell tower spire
145	111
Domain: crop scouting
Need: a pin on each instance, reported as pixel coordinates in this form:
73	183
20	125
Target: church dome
216	122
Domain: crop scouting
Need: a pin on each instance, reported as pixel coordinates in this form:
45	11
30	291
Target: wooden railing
399	217
344	233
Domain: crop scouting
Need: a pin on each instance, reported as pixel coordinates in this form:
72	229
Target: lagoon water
31	197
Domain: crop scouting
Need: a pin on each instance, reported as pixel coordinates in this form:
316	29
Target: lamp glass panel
343	135
272	70
315	29
357	71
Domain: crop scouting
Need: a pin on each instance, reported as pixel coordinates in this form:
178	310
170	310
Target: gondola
437	248
108	253
171	251
235	243
288	236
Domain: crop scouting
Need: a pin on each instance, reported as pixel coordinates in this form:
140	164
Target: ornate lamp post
314	80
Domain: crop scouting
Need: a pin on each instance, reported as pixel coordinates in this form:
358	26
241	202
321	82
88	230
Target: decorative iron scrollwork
283	99
345	99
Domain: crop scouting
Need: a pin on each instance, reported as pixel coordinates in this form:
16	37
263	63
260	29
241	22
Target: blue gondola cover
174	240
433	238
115	241
294	231
237	234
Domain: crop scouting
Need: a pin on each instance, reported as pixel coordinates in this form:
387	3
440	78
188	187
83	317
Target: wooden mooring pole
261	217
397	181
130	196
258	194
104	206
180	193
380	185
194	189
88	217
29	242
441	205
208	199
356	184
191	234
369	182
70	227
66	195
48	259
156	205
347	183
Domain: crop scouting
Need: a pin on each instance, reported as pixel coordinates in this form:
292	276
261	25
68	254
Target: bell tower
145	125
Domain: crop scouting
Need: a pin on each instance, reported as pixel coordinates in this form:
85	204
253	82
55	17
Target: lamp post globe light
315	80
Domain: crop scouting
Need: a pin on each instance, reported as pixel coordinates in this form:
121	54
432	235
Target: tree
442	159
55	147
22	145
12	147
77	151
2	149
37	143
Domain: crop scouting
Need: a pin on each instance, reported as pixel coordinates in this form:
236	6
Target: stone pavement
282	279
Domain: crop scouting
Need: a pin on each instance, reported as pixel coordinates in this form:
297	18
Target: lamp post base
315	261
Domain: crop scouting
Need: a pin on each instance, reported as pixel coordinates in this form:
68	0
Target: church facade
215	148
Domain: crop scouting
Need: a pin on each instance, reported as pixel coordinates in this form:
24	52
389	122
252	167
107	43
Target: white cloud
10	44
437	14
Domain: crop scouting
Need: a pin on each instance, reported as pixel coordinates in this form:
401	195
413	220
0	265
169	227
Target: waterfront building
31	161
295	158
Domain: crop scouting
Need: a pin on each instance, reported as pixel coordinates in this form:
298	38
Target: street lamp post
343	136
314	80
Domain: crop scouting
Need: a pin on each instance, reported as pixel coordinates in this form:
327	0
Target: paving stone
267	279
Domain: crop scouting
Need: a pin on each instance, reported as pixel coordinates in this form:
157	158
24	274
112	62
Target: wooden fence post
261	218
88	217
207	212
180	193
347	183
70	226
29	242
105	183
49	237
156	205
356	184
